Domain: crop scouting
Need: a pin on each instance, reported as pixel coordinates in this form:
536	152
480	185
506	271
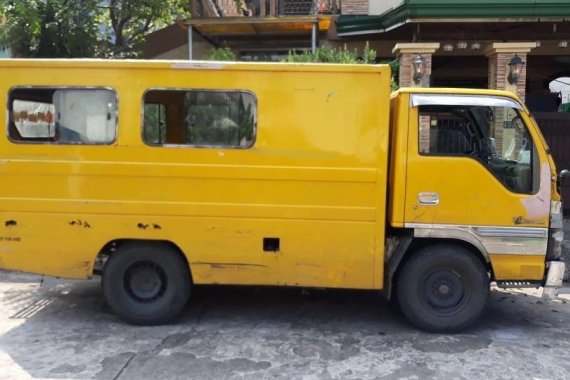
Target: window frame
9	102
143	116
187	146
534	154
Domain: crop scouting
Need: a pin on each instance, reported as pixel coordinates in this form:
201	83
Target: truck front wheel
146	283
442	288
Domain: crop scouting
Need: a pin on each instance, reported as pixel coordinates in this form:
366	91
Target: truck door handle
428	198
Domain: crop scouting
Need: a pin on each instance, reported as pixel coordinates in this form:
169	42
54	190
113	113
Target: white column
314	37
190	29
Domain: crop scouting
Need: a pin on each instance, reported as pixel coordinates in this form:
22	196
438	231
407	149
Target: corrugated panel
450	9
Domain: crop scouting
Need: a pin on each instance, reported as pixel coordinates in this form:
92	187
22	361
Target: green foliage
219	54
326	54
395	67
131	20
343	55
84	28
368	54
154	123
220	118
246	121
49	28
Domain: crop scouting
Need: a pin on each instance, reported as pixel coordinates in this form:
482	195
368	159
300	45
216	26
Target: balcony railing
263	8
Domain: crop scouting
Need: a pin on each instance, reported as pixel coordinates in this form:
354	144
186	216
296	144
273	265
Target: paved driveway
63	329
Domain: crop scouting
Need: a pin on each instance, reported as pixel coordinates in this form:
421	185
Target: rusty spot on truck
11	223
78	268
79	223
146	226
523	220
330	94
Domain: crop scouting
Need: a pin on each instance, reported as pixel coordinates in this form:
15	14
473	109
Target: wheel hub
444	289
145	281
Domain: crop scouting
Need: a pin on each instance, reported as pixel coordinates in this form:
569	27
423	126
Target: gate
555	127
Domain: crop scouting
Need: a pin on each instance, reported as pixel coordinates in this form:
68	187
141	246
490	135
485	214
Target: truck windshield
495	136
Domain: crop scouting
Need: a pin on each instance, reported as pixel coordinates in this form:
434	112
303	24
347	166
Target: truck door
475	173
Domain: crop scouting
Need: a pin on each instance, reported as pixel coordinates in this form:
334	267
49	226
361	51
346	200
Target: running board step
519	284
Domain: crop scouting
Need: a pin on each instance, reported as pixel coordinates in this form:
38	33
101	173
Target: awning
416	11
252	26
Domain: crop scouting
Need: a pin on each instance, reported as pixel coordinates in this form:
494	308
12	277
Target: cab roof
457	91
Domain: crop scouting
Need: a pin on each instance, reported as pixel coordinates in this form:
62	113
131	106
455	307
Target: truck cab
476	175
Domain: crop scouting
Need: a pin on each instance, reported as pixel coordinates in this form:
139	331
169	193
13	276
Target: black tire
442	288
146	283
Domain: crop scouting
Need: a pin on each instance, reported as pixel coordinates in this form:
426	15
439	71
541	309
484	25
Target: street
64	330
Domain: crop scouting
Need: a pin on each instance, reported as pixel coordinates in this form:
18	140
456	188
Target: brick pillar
500	53
406	53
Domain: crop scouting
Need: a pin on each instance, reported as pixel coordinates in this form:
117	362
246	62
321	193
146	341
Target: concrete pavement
64	330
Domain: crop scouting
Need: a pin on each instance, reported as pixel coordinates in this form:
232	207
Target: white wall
377	7
561	86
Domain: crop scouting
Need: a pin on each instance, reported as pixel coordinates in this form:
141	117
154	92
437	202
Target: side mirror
492	145
563	175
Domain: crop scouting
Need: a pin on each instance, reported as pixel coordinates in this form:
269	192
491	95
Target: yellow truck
162	175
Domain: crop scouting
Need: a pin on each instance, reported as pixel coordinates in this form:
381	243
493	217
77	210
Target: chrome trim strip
556	217
515	232
489	240
463	100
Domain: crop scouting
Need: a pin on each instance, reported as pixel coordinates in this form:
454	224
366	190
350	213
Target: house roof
454	11
164	40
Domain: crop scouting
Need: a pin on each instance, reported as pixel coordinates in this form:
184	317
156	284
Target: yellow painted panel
316	177
469	194
219	250
399	159
518	267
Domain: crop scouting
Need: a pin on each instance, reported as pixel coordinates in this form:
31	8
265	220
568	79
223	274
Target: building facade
469	42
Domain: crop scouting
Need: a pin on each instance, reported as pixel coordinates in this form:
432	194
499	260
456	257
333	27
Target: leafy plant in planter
220	54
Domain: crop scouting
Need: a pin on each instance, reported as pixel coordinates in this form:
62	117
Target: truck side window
200	118
495	136
62	115
154	128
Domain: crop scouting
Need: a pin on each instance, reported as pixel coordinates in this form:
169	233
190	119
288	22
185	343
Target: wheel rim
145	281
444	292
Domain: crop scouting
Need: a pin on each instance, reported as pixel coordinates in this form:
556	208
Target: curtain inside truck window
200	118
62	116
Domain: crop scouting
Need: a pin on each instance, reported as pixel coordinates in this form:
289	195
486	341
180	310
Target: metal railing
263	8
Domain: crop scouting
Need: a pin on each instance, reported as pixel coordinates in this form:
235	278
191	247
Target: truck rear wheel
146	284
443	288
